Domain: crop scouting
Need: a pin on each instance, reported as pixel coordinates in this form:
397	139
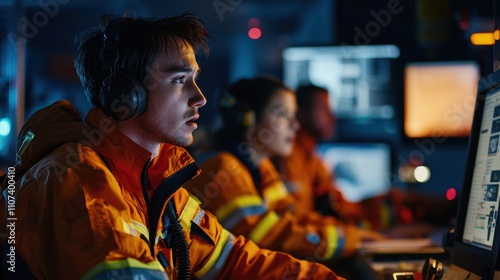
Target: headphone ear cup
125	99
236	115
246	116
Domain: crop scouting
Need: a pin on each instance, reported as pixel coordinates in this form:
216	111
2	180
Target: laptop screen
361	170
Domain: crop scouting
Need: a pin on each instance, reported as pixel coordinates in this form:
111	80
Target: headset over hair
121	97
236	114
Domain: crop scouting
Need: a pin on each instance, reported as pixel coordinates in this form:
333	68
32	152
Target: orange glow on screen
439	98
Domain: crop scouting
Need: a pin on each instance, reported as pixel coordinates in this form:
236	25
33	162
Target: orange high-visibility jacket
305	174
263	213
81	209
307	178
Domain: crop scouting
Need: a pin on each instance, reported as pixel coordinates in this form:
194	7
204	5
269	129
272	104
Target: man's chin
185	141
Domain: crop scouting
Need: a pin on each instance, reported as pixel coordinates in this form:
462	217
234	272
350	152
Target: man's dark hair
305	95
140	42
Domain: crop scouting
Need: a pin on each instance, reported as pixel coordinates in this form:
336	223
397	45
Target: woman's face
274	134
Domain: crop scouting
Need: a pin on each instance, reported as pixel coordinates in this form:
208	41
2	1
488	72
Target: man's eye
179	80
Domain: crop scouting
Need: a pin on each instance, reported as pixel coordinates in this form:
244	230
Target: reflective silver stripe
242	213
199	215
141	228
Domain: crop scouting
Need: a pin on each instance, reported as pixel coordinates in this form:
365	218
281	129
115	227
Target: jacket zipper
166	189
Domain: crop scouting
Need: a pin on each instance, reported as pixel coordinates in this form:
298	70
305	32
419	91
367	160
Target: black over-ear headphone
121	97
236	114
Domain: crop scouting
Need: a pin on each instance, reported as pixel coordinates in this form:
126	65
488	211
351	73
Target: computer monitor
359	78
477	236
362	170
439	98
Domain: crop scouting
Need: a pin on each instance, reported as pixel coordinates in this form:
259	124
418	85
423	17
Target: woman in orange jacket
103	198
313	185
241	186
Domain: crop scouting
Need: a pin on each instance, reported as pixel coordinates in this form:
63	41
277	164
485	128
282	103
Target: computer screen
439	98
477	237
361	170
358	78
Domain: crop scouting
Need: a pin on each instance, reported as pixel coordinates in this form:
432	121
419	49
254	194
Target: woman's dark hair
140	42
250	95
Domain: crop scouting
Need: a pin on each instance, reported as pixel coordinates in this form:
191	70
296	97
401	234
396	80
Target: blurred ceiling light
483	38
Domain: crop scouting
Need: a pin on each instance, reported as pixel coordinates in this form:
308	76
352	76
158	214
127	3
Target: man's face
173	97
319	119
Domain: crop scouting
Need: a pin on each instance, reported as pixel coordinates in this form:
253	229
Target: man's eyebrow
181	68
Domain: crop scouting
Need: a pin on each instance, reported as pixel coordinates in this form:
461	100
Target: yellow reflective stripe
141	228
275	192
242	201
215	255
128	228
188	212
262	228
119	264
331	242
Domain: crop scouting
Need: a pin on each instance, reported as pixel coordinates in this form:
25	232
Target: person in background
103	198
306	175
241	186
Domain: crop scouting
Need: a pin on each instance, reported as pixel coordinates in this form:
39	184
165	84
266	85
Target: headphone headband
121	97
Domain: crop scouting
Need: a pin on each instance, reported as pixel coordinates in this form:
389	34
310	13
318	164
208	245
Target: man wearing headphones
103	198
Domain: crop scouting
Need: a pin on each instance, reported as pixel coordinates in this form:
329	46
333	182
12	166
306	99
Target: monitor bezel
480	261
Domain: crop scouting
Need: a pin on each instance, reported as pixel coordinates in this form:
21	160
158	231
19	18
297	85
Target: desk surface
401	255
384	270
